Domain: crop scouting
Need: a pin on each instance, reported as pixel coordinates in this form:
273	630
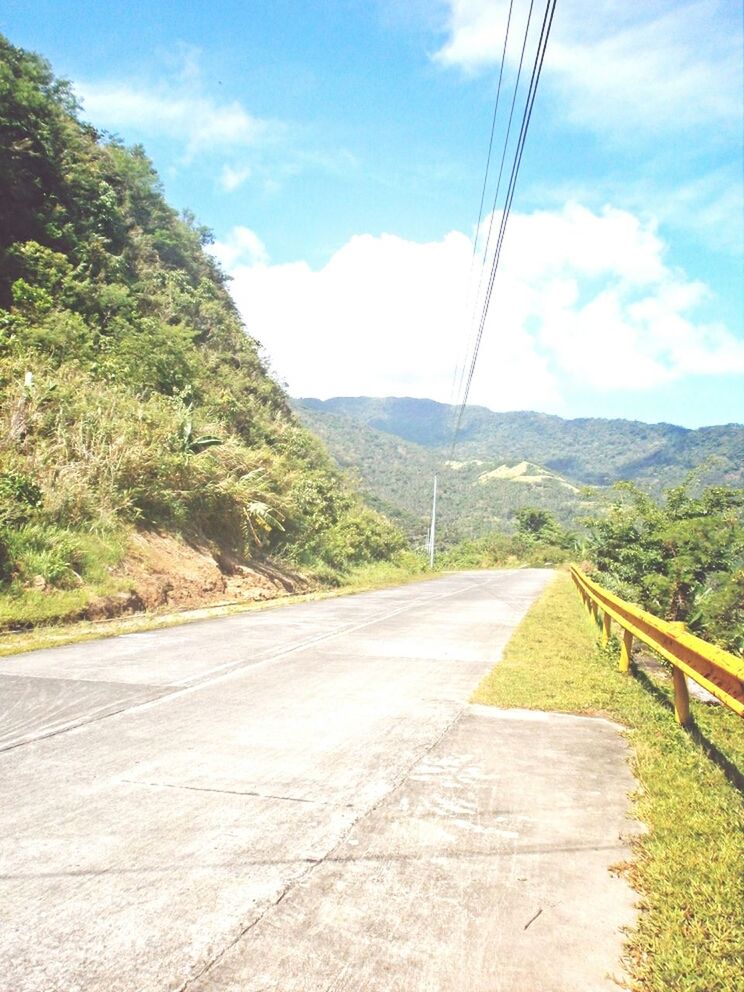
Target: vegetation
477	496
586	451
130	394
539	541
507	461
681	558
687	868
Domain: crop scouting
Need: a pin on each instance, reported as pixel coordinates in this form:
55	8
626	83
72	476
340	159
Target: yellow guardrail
716	670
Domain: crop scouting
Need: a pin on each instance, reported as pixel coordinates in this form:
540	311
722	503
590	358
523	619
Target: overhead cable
459	373
526	116
476	297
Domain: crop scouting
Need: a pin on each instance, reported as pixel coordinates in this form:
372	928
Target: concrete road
301	799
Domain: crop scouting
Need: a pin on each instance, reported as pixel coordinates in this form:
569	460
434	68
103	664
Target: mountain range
503	461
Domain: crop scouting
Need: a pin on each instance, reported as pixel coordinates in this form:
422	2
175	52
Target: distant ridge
505	461
588	450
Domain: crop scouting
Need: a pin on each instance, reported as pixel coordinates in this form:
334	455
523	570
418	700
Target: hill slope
590	450
477	495
397	444
130	394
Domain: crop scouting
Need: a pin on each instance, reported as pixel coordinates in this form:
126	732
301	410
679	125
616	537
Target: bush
57	555
20	496
681	558
359	537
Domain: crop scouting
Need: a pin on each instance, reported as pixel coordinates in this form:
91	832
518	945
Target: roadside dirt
163	572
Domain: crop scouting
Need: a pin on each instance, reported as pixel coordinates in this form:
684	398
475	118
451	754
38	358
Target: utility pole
433	529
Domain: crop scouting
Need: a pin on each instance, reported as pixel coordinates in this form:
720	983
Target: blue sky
336	150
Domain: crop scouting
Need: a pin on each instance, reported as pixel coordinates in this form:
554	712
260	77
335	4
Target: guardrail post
606	629
626	651
681	697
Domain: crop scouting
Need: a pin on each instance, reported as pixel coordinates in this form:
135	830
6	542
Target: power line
493	123
476	297
460	372
526	116
503	154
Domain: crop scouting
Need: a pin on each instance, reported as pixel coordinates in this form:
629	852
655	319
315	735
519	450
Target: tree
681	558
540	526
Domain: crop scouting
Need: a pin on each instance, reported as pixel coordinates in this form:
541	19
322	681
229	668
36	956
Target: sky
337	151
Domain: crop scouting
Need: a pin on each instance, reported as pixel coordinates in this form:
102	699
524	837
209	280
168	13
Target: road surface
302	799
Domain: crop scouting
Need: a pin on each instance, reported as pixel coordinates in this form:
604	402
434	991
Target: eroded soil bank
165	572
159	573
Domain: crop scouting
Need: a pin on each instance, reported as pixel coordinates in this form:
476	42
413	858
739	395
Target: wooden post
626	651
606	629
681	697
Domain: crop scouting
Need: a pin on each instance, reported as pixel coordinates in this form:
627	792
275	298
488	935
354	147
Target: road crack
226	792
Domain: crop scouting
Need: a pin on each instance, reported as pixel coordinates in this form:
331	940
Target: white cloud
619	67
243	247
193	118
582	298
176	106
232	177
708	207
179	106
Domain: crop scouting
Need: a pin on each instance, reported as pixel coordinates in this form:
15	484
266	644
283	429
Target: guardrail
716	670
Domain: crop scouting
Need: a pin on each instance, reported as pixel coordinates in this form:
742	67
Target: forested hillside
130	394
477	495
507	461
591	451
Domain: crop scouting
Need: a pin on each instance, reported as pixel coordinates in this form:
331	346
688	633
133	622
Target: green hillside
589	451
130	394
477	495
397	444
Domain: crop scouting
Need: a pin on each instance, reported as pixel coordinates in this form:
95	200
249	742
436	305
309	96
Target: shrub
681	558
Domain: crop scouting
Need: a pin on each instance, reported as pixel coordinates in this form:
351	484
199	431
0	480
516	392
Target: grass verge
688	868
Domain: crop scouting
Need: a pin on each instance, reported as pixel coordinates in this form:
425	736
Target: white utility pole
433	529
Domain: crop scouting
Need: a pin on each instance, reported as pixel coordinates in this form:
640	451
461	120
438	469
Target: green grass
73	569
688	868
405	566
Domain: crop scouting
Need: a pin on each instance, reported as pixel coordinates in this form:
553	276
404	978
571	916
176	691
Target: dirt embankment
164	572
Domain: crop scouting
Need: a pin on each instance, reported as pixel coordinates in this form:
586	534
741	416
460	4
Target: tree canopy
681	558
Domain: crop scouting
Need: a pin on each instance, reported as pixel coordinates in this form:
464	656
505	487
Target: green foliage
595	451
500	550
396	477
361	537
682	558
51	553
395	445
540	526
130	393
20	496
539	541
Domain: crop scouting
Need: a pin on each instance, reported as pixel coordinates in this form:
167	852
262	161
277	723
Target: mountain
132	400
504	461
